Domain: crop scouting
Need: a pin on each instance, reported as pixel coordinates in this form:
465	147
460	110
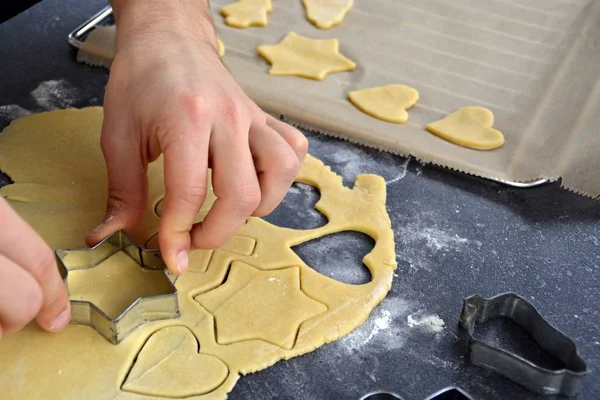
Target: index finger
23	246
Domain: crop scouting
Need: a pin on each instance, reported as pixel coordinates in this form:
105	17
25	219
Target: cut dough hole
5	179
297	210
338	256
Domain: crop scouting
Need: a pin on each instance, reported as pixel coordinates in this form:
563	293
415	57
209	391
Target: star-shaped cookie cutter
142	310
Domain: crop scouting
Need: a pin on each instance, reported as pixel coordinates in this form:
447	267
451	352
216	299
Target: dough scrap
308	58
60	189
246	13
220	48
469	127
388	103
325	14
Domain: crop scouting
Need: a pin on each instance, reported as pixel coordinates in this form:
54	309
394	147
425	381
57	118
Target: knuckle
44	264
194	104
192	194
30	305
289	168
299	143
248	199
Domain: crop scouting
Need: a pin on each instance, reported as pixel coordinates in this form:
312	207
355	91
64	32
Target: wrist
162	20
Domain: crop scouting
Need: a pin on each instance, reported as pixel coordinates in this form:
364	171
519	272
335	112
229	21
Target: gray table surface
455	236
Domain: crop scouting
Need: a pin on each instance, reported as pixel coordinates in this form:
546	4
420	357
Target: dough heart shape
247	13
469	127
169	358
388	103
325	14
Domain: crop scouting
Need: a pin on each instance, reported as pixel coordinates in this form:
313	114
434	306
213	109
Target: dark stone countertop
455	235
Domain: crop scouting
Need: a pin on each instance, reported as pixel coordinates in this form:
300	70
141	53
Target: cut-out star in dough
388	103
469	127
325	14
247	13
296	55
256	304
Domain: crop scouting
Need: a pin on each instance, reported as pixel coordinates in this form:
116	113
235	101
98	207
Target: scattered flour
430	323
379	330
417	240
53	94
350	161
13	111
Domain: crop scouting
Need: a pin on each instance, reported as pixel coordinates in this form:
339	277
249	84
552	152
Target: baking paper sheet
534	63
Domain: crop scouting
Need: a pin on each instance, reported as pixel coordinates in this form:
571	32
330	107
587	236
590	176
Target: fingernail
182	261
61	321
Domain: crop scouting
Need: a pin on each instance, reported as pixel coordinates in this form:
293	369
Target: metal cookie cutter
142	310
565	381
450	393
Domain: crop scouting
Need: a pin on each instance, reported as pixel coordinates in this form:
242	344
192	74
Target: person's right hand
30	284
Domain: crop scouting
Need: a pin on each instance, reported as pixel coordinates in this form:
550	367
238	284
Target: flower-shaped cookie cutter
565	381
142	310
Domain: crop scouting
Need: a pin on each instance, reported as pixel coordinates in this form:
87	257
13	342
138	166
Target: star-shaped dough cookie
247	13
325	14
296	55
255	304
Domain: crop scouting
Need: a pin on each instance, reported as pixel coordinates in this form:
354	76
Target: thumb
127	184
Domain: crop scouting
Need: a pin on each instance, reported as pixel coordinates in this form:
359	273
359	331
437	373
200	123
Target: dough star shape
239	304
246	13
469	127
388	103
59	188
308	58
325	14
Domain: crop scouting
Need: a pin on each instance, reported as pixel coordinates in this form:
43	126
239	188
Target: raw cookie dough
469	127
220	48
388	103
308	58
60	180
325	14
246	13
125	278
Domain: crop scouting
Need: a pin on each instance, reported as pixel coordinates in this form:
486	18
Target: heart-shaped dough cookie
388	103
170	366
325	14
469	127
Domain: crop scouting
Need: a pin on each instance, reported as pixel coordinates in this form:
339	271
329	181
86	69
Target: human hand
168	93
30	284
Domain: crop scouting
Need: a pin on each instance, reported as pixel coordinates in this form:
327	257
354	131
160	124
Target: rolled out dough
59	174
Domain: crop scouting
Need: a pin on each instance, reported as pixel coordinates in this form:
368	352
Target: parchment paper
535	64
